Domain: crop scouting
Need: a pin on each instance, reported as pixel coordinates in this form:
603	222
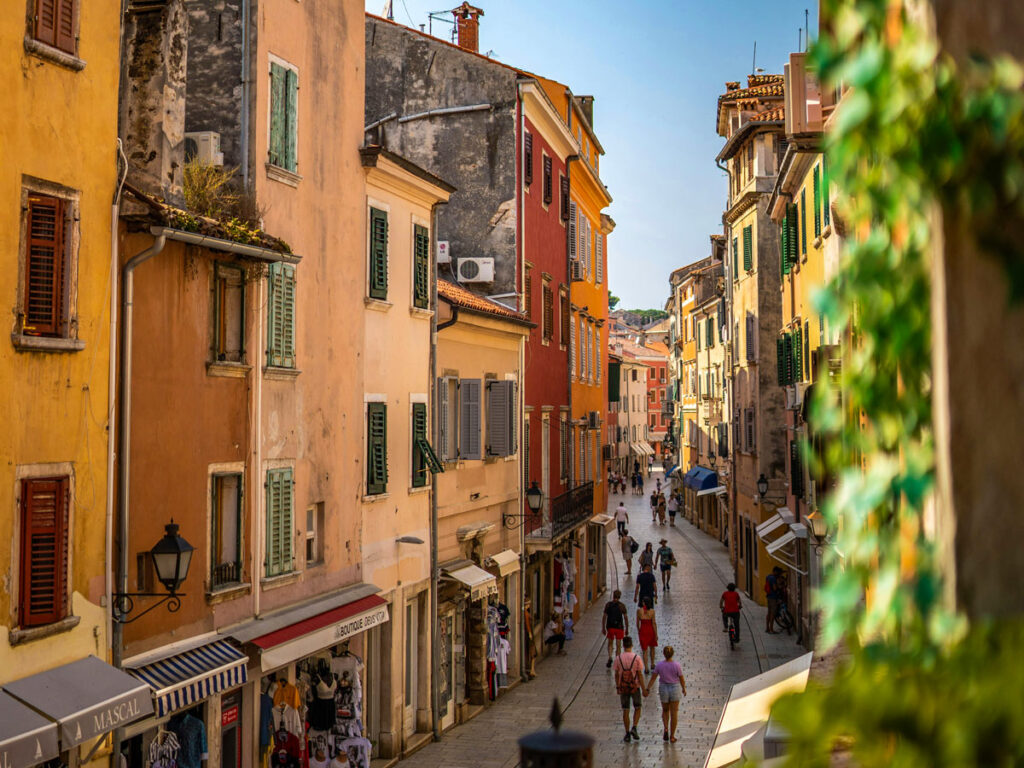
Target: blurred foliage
643	316
613	300
914	134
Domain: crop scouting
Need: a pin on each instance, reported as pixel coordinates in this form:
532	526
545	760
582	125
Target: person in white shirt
621	518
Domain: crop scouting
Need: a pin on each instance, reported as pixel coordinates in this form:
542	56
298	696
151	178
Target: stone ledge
19	636
46	343
53	55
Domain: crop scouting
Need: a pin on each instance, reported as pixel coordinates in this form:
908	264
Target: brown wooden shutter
528	158
66	25
547	180
565	319
44	550
528	294
46	21
549	313
44	267
564	184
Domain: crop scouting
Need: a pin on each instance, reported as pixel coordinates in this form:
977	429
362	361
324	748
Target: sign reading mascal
315	641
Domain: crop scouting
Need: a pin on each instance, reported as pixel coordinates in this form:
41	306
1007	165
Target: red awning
326	619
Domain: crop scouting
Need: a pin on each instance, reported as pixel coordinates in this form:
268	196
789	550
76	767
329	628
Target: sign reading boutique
323	637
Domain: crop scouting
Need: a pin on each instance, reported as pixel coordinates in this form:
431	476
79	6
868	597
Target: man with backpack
629	546
613	623
629	673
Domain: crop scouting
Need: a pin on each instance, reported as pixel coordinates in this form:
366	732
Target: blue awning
670	470
701	479
183	679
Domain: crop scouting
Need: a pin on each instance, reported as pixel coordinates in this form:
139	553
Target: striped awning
181	680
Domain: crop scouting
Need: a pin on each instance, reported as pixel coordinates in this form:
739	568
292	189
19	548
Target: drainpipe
520	502
734	544
435	659
244	107
256	475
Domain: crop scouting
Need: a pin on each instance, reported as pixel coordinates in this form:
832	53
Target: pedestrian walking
658	484
554	633
629	670
661	509
671	689
613	624
647	556
632	483
636	466
654	506
666	558
772	595
621	518
646	586
628	546
647	631
673	508
639	484
730	605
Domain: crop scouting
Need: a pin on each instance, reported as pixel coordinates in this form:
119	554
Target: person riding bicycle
731	605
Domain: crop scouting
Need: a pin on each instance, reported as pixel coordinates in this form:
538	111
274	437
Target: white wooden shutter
469	419
572	228
599	261
572	347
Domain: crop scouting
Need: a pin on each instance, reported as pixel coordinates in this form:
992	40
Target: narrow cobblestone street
688	618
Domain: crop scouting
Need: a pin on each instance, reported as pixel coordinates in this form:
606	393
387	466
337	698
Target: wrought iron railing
226	573
564	513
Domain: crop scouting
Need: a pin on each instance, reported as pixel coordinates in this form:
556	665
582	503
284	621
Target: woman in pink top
671	689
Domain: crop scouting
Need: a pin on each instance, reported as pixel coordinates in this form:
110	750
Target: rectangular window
599	258
421	267
378	264
751	338
549	313
284	100
563	450
817	201
826	214
572	348
528	294
469	419
526	450
447	417
315	534
46	300
228	313
748	419
784	247
573	217
502	416
527	158
748	248
796	469
424	459
807	350
803	221
44	551
735	259
547	181
55	22
280	510
376	448
750	160
566	317
563	182
792	235
226	533
281	323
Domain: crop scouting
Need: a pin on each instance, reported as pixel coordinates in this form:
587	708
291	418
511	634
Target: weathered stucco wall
409	73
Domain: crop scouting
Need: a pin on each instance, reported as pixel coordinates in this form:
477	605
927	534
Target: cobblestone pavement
688	618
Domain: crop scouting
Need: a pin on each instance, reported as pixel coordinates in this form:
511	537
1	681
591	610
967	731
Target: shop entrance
446	676
411	667
231	730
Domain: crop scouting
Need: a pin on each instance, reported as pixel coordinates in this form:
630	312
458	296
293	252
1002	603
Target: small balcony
564	513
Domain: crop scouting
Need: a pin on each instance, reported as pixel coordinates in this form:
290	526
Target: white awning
506	562
796	531
642	448
780	518
480	582
717	491
748	707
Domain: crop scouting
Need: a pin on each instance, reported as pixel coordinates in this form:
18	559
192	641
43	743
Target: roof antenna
807	29
753	65
799	39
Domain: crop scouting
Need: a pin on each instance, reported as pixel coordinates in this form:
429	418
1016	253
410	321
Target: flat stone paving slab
688	618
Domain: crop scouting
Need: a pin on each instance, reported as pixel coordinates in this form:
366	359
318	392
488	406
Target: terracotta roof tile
753	80
460	297
770	115
756	92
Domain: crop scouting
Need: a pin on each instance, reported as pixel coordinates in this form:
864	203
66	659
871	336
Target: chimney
587	107
468	25
153	97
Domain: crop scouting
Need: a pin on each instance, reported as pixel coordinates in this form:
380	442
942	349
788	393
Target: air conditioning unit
576	270
594	420
204	146
444	254
477	270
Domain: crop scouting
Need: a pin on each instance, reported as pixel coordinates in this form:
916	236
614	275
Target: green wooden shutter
784	250
803	221
826	215
787	353
807	350
735	259
748	248
376	448
817	201
798	359
279	521
780	359
281	323
792	234
291	161
378	254
278	112
421	268
419	434
796	469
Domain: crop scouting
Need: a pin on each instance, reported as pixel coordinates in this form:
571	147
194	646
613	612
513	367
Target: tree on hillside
612	300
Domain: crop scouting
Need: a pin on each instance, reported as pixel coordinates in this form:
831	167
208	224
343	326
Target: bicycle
784	618
734	630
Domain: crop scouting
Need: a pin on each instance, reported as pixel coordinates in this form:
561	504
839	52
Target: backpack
629	681
634	546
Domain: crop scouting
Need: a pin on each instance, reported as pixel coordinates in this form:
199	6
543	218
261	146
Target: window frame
63	45
376	478
281	276
377	286
547	187
216	475
420	265
216	348
286	472
291	130
61	592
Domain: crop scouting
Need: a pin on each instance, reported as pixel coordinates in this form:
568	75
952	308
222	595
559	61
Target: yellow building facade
58	138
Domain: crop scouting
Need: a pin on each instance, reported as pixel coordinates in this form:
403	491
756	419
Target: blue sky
656	69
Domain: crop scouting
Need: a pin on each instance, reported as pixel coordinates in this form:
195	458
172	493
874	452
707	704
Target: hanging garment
501	656
286	693
191	733
288	718
163	750
567	623
358	751
266	721
286	752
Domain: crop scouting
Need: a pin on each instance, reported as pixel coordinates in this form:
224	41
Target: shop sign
332	634
229	716
358	624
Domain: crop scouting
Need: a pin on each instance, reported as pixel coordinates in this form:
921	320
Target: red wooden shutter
46	21
44	550
66	25
44	272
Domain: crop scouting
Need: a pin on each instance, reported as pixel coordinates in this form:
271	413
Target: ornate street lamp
711	459
762	485
819	528
171	556
556	749
534	501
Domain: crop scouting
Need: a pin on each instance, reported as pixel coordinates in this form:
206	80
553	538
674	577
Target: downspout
454	318
734	544
435	659
568	273
258	497
520	502
244	108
